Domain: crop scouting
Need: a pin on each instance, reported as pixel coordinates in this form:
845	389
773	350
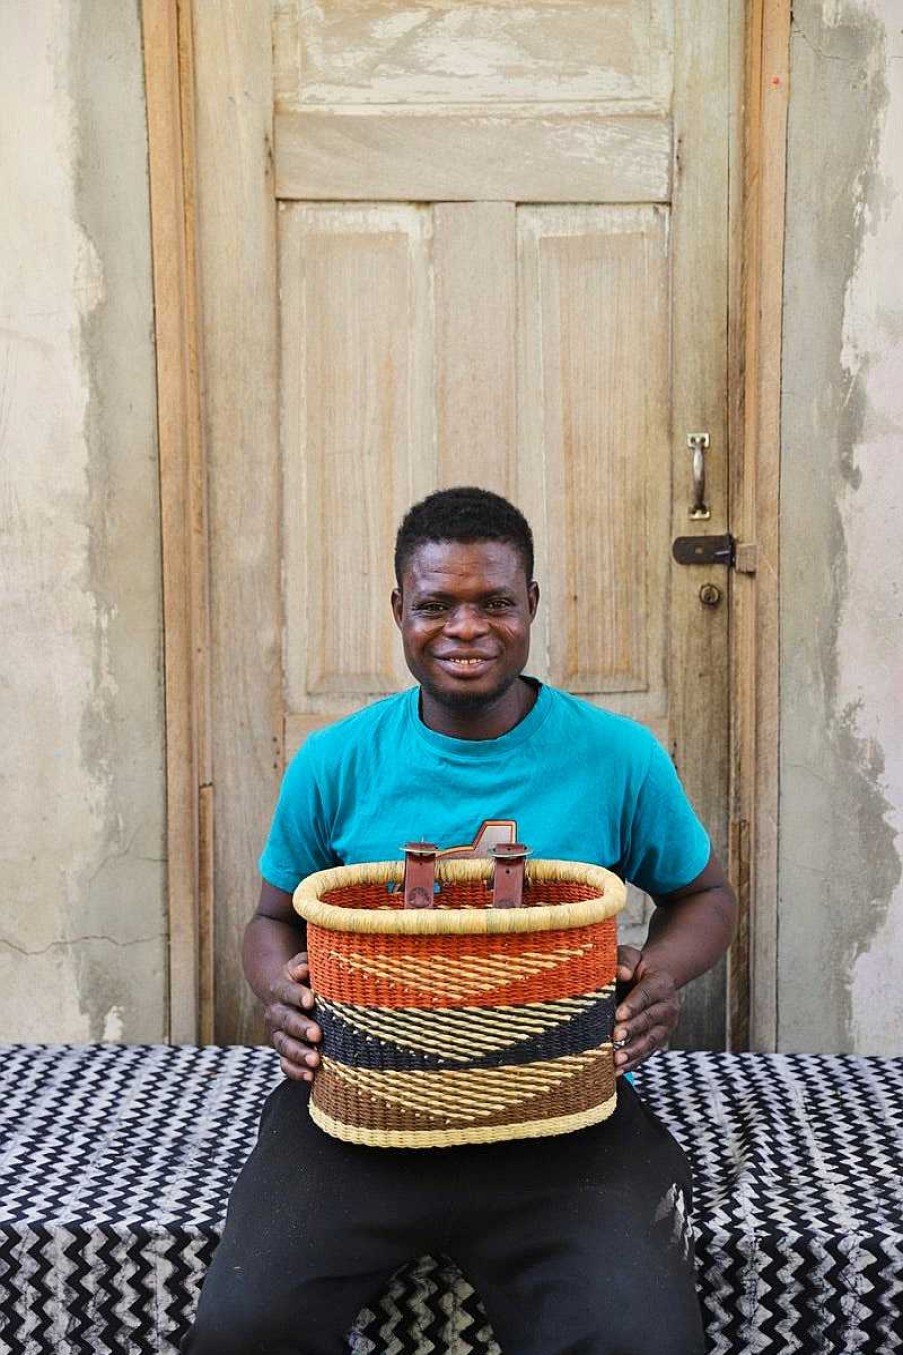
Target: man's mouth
471	663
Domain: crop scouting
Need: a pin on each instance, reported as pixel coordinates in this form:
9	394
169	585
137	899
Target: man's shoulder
619	733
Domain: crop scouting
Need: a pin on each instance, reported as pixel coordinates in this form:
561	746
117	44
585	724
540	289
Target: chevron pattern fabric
116	1164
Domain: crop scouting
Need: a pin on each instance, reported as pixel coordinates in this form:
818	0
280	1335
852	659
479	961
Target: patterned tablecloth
116	1164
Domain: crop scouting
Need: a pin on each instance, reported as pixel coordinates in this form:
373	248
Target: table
116	1164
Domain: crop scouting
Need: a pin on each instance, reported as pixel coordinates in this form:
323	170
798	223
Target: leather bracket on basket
419	873
508	874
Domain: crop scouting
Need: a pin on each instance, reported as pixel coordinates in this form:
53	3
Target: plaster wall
82	931
840	952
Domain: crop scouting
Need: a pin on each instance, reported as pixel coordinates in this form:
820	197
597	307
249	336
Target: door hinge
716	550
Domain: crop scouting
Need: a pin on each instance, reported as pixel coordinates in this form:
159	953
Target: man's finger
636	1026
293	1022
294	1050
294	995
296	1072
628	959
638	1051
296	1025
662	1014
650	989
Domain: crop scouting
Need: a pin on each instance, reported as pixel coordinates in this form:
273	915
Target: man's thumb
628	959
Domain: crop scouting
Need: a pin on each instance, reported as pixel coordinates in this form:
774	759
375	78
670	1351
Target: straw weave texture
462	1023
560	894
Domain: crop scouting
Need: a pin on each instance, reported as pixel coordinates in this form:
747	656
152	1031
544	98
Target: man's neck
480	722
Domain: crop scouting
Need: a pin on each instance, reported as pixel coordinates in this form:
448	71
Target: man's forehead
495	562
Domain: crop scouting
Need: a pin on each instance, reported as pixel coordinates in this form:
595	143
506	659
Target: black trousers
577	1245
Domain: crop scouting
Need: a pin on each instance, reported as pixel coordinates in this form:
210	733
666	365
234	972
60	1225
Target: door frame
190	425
169	82
757	222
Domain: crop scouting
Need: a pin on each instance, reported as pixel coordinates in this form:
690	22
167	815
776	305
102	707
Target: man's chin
465	700
466	696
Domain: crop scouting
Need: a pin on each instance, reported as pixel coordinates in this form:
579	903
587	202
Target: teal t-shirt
573	782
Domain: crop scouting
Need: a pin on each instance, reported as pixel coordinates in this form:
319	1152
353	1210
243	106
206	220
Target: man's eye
499	604
429	608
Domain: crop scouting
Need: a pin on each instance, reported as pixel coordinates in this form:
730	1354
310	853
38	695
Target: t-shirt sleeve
298	841
668	845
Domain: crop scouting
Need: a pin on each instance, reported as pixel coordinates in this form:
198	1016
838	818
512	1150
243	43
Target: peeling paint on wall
841	909
83	922
870	634
123	565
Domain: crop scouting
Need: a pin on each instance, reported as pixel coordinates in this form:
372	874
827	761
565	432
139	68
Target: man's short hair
466	514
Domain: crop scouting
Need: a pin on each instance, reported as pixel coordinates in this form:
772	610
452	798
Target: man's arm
275	965
689	931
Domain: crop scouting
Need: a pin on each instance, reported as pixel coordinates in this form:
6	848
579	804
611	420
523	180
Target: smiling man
579	1244
464	609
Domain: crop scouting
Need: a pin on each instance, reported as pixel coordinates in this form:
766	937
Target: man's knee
234	1329
306	1319
674	1330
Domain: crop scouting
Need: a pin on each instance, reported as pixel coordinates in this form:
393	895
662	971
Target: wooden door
445	241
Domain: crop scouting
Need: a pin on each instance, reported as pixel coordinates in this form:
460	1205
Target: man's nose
467	619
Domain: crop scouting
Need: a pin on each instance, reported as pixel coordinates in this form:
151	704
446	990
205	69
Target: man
574	1243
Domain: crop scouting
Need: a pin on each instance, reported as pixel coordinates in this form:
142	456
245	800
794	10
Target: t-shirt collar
477	750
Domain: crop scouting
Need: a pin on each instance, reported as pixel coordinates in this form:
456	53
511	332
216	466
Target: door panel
594	465
358	437
370	153
615	53
475	292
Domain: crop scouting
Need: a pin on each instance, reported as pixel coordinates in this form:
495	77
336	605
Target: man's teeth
467	663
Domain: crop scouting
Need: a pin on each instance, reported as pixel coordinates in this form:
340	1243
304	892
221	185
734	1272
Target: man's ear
533	597
397	606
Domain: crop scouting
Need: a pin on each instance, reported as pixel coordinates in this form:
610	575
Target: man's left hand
647	1011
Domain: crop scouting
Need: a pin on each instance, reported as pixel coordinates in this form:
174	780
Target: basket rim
308	903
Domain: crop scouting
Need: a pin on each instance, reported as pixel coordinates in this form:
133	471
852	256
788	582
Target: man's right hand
292	1032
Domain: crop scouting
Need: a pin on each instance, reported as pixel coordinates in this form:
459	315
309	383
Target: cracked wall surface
840	956
82	932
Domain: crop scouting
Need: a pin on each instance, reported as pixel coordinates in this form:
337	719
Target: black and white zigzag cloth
116	1164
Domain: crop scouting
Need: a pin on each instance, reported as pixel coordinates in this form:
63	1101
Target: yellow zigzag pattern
461	1032
468	974
464	1093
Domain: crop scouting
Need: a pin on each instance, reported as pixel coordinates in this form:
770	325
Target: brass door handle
698	443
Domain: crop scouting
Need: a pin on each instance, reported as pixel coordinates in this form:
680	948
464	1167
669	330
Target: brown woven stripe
592	1084
448	1138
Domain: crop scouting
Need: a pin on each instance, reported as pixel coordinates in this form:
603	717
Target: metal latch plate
704	550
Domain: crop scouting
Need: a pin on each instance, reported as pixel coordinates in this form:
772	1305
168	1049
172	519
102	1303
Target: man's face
464	610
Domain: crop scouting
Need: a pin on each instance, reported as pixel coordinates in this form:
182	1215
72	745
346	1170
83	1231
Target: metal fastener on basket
454	1012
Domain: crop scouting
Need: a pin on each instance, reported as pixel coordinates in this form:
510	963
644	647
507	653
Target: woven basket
462	1023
